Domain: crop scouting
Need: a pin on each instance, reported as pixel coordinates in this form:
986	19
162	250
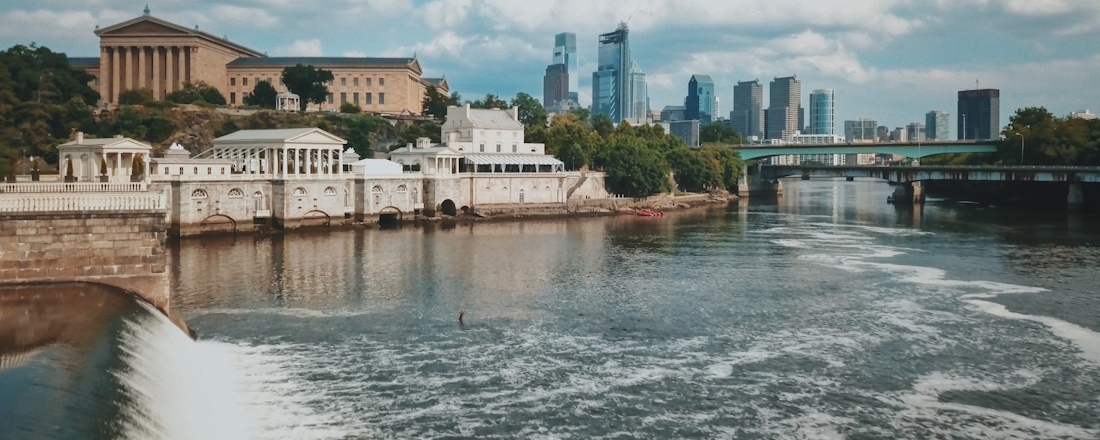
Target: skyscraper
612	82
784	107
863	129
555	86
747	115
979	114
639	93
700	98
937	125
565	52
822	111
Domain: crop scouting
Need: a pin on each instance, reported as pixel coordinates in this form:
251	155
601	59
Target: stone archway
218	223
316	218
448	208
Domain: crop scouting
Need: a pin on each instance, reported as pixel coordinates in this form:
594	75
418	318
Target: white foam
1086	340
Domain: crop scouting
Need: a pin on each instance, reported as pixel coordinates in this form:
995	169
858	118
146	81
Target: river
824	313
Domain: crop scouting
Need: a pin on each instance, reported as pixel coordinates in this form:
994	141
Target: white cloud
247	16
354	54
28	24
302	48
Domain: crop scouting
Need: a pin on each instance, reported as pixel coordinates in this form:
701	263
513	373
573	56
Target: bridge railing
31	203
72	187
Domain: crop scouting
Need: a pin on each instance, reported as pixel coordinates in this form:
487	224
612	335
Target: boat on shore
648	213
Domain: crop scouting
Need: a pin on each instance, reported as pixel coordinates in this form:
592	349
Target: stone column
156	72
131	69
114	75
169	71
143	73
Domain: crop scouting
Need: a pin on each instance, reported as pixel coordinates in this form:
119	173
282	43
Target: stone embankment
595	207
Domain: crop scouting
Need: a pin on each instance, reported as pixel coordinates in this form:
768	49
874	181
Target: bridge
915	150
910	176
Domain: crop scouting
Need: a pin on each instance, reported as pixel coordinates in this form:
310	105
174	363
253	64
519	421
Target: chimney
514	111
80	138
467	114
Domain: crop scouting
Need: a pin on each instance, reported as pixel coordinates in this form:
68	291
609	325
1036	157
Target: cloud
24	24
249	16
302	48
354	54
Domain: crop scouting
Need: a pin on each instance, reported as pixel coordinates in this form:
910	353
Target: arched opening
315	218
448	208
218	223
390	217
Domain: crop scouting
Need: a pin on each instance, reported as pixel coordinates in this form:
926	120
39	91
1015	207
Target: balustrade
80	202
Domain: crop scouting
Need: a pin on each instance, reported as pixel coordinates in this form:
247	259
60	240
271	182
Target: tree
198	91
571	140
102	166
491	101
531	112
263	95
633	169
134	96
603	125
720	133
350	108
435	104
308	83
137	168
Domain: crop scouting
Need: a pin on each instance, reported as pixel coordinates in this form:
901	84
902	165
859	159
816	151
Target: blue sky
892	60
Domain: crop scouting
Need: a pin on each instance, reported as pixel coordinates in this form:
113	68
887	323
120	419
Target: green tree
350	108
198	91
45	77
633	169
134	96
720	133
490	101
263	95
308	83
571	140
603	125
531	112
435	103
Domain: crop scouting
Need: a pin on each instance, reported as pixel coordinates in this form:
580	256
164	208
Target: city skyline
948	46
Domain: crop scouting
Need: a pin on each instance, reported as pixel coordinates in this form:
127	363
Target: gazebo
287	101
89	155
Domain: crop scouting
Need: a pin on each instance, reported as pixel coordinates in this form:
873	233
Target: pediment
317	137
144	28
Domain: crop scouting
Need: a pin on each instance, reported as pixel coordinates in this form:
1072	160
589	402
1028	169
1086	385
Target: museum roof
325	62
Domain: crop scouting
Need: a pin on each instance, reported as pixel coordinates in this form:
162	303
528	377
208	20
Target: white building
91	157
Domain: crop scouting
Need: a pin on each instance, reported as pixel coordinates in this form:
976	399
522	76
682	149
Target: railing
246	177
81	202
70	187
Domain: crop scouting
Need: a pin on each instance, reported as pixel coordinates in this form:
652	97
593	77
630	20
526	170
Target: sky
890	60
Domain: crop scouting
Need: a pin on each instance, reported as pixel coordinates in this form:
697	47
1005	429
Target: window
330	191
198	194
377	189
166	170
368	81
343	81
232	81
330	98
355	98
367	97
196	171
236	193
343	98
482	148
355	82
244	81
381	98
402	189
209	170
498	148
381	82
299	191
514	148
232	97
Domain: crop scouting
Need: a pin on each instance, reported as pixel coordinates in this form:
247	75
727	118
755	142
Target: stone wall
121	249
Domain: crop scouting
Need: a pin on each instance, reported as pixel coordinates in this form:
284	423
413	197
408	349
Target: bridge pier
753	181
1075	199
908	192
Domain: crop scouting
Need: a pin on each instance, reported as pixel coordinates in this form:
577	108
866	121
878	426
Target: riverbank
588	207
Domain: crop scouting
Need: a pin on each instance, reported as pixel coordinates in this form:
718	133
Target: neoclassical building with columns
151	53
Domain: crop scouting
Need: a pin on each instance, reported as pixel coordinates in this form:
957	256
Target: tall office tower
611	82
747	115
979	114
822	112
914	132
555	86
717	109
784	108
565	52
700	99
937	125
862	129
639	93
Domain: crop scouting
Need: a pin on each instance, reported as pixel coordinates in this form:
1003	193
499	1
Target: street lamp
1021	147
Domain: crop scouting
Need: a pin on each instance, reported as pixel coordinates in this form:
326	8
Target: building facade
639	94
555	86
979	114
915	132
611	82
150	53
747	115
861	130
784	108
937	125
700	98
565	53
822	112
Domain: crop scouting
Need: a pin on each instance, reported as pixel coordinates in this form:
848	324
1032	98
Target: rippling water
823	314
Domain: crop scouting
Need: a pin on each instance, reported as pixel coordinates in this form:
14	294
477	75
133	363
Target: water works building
151	53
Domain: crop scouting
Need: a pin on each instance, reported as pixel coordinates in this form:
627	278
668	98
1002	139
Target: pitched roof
280	134
106	142
181	29
493	119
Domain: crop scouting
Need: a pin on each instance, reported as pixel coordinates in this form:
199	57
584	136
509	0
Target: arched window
377	189
198	194
299	191
236	193
330	191
402	189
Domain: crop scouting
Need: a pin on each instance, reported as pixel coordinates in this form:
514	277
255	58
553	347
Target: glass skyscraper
612	82
979	114
937	125
700	98
747	115
822	112
565	52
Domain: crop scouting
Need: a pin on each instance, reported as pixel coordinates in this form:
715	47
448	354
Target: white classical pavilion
89	155
282	153
287	101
